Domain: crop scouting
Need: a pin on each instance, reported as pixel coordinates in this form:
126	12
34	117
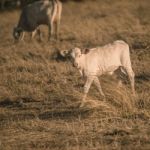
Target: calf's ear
85	51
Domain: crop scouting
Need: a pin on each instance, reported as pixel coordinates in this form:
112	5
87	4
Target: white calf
102	60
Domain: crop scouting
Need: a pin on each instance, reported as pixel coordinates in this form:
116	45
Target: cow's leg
22	36
36	31
56	18
98	85
57	29
131	78
87	87
39	34
33	34
50	30
57	23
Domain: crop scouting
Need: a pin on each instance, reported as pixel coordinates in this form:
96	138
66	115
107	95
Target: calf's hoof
103	97
83	103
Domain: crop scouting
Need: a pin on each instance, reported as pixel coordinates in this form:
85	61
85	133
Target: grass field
40	94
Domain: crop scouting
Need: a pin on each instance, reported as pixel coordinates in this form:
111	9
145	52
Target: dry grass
40	95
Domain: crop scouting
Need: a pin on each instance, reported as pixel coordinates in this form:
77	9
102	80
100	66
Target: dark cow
39	13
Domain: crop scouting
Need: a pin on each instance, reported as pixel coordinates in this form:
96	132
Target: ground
40	93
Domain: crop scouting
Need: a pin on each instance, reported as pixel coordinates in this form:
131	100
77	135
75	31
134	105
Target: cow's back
35	14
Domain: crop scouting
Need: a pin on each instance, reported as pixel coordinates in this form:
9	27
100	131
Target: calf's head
76	55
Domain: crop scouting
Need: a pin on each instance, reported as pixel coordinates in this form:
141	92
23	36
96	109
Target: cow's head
17	33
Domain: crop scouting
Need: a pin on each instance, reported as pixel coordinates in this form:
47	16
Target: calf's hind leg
131	78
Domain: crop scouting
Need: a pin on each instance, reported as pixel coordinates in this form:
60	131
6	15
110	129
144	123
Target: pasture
40	93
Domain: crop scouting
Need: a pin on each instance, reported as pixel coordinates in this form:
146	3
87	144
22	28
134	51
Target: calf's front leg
87	87
98	85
